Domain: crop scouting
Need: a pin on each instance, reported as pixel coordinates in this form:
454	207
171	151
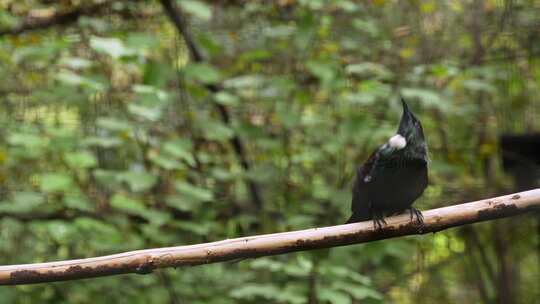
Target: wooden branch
144	261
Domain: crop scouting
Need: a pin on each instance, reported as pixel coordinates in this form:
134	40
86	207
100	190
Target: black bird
394	176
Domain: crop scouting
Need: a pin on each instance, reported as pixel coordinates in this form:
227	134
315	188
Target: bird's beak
405	106
406	119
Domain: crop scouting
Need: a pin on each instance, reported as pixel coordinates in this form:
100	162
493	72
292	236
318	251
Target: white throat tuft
397	141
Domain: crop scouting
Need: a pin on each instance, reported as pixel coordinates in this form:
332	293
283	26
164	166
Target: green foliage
202	72
196	8
55	182
111	141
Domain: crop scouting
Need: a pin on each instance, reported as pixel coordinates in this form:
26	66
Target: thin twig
196	55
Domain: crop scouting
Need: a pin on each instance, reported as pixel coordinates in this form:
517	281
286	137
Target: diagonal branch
176	18
173	14
144	261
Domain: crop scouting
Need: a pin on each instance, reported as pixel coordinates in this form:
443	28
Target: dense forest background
115	137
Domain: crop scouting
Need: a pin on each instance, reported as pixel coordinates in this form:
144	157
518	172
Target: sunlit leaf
246	81
110	46
148	113
227	99
76	62
196	8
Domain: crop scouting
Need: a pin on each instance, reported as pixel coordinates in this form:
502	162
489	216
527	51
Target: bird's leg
419	217
378	221
378	218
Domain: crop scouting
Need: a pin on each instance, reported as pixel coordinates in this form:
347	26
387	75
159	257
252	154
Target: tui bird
394	176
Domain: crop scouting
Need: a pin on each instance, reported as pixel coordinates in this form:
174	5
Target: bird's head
410	127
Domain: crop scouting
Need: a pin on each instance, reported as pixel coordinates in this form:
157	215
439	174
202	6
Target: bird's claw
419	217
378	222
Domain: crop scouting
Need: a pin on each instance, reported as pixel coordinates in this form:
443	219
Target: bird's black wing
360	205
366	174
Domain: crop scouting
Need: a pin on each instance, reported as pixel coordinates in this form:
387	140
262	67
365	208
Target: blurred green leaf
141	40
138	181
127	204
245	81
357	291
113	47
196	8
367	69
78	202
81	159
55	182
227	99
325	71
333	296
214	130
202	229
194	192
136	207
167	163
106	177
181	203
180	148
114	124
266	292
104	142
427	97
479	85
30	141
366	26
202	72
280	31
23	201
148	113
76	63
